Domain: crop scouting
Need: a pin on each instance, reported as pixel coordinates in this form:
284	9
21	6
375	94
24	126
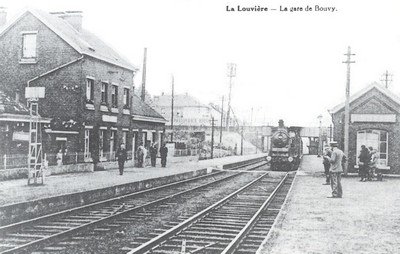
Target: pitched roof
180	100
12	111
139	108
82	41
10	106
365	90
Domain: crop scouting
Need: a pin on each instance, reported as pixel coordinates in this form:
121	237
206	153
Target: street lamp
320	136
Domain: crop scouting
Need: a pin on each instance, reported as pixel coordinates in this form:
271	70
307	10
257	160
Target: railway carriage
286	148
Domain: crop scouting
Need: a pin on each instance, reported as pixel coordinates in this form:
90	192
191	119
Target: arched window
377	139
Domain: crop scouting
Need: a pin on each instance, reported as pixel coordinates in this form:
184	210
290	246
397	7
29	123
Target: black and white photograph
199	126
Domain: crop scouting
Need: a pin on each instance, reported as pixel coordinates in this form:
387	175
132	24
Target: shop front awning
7	117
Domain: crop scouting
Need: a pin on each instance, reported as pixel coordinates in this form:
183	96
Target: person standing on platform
373	165
121	157
153	154
364	159
327	164
140	155
336	170
59	158
163	153
65	158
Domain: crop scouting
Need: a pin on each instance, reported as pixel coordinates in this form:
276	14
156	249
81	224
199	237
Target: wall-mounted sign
21	136
110	119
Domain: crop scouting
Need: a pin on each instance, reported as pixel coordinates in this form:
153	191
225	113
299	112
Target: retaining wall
18	173
31	209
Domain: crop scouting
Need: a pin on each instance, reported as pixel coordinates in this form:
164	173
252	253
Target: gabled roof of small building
180	100
9	106
365	90
13	111
140	108
84	42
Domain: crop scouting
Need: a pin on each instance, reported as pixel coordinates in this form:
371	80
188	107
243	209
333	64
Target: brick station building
374	121
89	86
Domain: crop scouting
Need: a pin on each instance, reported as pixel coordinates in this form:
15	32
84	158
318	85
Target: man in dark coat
121	157
327	164
163	153
153	154
364	159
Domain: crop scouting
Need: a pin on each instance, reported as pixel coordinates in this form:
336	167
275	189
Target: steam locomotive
286	148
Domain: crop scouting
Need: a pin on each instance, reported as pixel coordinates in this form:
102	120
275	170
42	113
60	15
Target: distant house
147	125
89	86
189	113
374	122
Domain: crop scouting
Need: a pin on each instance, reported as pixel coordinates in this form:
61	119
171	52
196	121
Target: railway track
235	224
37	233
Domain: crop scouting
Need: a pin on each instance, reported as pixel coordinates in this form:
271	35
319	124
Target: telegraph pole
347	108
256	140
241	142
212	137
251	118
387	78
231	74
143	94
221	124
320	136
172	110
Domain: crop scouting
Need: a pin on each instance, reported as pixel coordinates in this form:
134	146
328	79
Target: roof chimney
281	124
3	16
74	18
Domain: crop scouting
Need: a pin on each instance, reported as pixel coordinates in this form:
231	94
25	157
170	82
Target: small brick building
89	86
374	122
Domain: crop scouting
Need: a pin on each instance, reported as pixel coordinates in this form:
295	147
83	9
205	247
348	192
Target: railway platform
17	191
365	220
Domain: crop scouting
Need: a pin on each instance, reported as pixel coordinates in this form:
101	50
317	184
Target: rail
166	235
242	234
17	229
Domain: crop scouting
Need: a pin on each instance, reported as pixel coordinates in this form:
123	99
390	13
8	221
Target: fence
21	160
218	153
186	152
13	161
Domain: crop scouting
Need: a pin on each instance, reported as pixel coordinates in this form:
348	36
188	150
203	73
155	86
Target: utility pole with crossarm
347	108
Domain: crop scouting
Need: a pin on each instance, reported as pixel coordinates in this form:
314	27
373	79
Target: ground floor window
86	151
377	139
101	144
124	135
113	136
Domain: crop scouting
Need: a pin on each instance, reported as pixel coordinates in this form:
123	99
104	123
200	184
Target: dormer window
29	47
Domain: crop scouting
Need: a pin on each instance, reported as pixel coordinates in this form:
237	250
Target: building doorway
377	139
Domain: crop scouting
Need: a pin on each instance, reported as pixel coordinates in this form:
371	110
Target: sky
288	64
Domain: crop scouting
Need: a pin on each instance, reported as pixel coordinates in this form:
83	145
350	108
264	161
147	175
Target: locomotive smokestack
281	125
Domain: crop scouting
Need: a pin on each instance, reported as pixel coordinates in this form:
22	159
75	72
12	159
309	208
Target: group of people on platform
367	165
141	153
334	162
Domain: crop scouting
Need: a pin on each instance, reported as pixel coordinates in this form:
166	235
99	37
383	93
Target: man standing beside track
327	164
336	170
121	157
163	153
